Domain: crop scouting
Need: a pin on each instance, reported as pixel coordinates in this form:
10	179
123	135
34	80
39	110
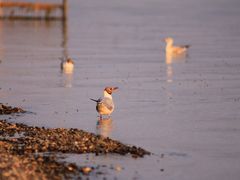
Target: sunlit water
186	109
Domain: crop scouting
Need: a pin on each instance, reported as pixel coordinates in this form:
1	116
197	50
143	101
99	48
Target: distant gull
174	50
67	66
105	105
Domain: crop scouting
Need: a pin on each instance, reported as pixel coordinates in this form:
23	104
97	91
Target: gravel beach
30	152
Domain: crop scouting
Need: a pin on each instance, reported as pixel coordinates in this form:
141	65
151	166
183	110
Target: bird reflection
104	127
67	80
169	73
172	59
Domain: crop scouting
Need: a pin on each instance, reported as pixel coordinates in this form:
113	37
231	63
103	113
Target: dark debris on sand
35	139
30	166
22	150
9	110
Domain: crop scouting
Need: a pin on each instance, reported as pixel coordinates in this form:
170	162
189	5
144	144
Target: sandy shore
28	152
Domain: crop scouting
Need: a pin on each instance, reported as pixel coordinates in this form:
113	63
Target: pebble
118	168
86	170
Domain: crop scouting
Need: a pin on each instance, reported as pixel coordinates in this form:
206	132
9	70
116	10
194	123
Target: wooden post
64	9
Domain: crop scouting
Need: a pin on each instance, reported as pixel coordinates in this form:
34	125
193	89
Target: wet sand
30	152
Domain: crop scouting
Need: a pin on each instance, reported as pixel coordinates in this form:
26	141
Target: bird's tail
187	46
94	100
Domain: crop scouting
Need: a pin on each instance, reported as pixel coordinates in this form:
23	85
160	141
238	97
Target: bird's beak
115	88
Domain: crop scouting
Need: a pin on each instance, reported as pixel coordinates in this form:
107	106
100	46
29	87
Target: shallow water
186	109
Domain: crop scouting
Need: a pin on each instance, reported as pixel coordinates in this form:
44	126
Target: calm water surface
186	109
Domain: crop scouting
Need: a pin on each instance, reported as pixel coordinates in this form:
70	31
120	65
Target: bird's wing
108	103
179	49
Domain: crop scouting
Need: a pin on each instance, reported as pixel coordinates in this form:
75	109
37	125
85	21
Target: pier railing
33	10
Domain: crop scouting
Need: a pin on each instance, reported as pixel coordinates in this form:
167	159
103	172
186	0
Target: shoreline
23	149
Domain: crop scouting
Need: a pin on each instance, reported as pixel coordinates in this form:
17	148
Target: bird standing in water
105	105
174	50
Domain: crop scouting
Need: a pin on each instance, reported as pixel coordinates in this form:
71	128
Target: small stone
86	170
118	168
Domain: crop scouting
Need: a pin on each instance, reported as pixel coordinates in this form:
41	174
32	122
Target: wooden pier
33	10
